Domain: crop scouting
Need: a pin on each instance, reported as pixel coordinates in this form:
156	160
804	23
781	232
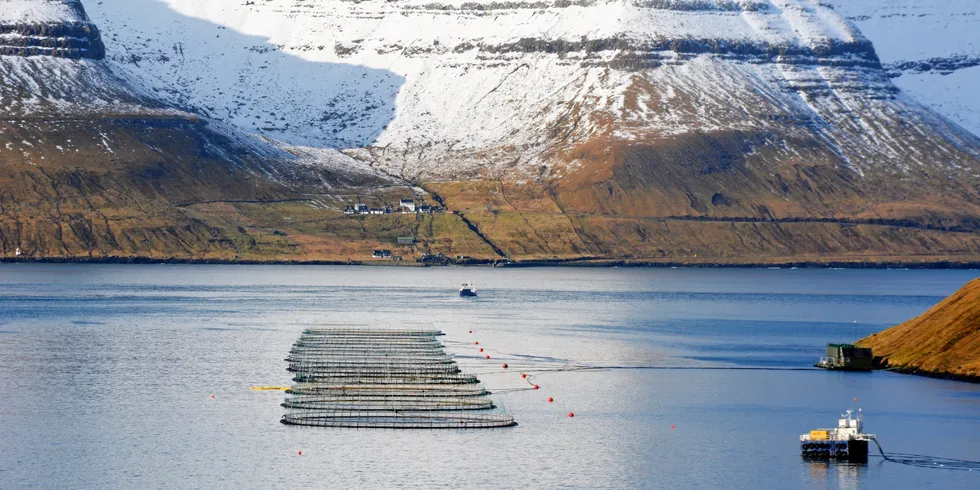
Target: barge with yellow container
845	443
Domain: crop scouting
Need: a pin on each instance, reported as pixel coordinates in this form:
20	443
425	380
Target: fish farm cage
380	378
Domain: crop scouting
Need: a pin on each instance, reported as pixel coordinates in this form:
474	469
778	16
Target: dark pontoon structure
847	357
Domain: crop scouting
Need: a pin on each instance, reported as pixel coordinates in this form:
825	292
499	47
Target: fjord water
107	374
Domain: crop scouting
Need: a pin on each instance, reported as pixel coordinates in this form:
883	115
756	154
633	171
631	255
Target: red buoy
535	386
476	343
570	414
481	349
300	452
550	399
505	366
488	357
523	376
212	397
471	331
671	426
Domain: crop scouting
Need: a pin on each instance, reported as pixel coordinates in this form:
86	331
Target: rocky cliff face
48	27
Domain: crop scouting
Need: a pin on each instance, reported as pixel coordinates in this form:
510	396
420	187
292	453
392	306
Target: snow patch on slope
334	74
40	11
421	88
912	31
65	88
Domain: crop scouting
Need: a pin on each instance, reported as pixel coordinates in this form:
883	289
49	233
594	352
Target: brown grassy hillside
944	341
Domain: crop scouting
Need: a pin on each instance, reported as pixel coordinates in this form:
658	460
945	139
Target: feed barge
847	442
846	357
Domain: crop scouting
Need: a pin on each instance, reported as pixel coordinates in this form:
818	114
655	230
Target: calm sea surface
107	373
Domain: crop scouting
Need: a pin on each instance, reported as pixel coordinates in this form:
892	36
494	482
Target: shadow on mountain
244	79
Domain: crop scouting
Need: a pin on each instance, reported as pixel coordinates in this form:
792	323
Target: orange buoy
535	386
488	357
523	376
505	366
570	414
550	399
855	399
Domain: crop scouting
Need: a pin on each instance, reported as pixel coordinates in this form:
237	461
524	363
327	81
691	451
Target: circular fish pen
388	370
420	390
393	420
382	378
371	403
377	378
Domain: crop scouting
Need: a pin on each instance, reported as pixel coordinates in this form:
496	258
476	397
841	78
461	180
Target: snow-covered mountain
930	47
52	68
688	130
49	63
93	163
454	89
48	27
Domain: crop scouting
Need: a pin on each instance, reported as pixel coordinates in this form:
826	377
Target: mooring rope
922	461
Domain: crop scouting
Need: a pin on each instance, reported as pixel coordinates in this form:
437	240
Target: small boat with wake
467	291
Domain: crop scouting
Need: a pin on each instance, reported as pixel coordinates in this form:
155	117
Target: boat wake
923	461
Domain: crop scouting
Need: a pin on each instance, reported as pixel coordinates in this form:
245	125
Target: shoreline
529	263
962	378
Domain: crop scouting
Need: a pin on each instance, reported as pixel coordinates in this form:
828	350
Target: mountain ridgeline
657	131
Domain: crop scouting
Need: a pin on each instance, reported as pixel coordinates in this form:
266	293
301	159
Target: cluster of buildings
364	209
405	206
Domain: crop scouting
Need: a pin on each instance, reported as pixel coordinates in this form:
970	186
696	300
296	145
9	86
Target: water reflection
839	475
107	380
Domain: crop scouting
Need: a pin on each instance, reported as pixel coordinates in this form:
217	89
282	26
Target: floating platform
847	442
376	378
846	357
853	450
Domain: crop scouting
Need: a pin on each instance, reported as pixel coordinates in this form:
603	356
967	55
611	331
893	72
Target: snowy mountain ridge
41	11
456	88
48	27
931	48
53	80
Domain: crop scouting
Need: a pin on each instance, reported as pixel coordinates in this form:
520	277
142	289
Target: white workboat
847	442
467	291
